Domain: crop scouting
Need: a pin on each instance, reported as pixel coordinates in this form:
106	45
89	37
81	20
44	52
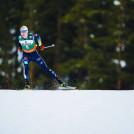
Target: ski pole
50	46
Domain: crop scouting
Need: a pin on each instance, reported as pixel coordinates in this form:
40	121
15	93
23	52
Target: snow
66	112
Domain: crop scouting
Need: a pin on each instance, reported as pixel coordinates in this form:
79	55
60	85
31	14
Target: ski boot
27	85
64	86
61	83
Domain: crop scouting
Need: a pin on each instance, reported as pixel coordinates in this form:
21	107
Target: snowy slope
66	112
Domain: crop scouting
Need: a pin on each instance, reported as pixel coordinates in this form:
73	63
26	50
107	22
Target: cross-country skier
26	44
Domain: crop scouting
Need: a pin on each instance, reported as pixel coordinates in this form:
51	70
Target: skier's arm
19	45
37	36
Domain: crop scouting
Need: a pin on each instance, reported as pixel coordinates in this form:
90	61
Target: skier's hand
19	49
42	47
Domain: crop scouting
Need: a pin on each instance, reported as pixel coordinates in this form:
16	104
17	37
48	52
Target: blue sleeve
19	45
37	36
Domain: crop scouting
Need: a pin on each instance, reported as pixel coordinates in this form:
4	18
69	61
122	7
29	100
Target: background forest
94	42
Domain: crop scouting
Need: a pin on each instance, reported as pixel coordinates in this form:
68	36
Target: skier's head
24	31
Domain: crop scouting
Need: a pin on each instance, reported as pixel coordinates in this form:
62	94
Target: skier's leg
26	62
43	65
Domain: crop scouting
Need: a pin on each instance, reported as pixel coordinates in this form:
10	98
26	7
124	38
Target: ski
67	88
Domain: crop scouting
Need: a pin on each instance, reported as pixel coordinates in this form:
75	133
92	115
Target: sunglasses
24	31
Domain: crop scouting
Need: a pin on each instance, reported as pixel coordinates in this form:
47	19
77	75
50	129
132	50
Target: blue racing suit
35	57
31	54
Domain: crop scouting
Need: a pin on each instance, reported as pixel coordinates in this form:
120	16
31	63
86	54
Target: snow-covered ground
66	112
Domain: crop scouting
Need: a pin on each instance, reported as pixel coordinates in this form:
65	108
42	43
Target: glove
42	47
19	49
